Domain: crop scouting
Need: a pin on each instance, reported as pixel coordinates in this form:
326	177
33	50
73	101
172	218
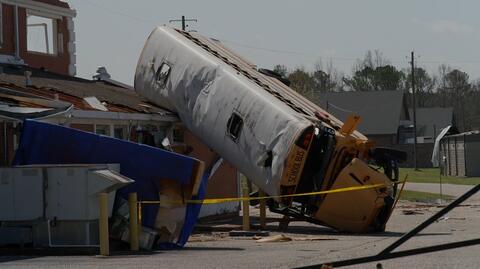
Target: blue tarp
43	143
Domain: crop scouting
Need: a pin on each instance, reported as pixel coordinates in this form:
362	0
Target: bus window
234	126
162	74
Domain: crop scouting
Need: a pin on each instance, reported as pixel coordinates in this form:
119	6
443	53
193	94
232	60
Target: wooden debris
412	212
274	238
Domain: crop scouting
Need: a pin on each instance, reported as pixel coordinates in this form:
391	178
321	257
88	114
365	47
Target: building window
102	129
405	134
41	34
178	135
120	131
234	126
159	135
162	74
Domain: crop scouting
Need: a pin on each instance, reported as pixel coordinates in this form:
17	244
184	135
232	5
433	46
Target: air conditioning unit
55	205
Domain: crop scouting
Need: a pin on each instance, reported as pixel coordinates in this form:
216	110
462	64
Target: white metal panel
219	209
72	192
460	147
20	194
28	194
67	193
452	164
472	150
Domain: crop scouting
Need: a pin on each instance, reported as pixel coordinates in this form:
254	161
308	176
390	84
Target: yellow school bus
281	141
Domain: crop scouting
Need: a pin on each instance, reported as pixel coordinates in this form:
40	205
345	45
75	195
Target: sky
298	33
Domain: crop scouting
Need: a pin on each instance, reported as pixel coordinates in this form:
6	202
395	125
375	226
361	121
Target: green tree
424	85
373	73
382	78
326	79
459	88
302	82
281	70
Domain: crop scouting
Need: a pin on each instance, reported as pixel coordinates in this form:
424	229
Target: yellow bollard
132	204
245	207
263	212
103	224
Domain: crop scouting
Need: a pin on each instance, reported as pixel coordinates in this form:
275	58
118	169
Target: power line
119	13
280	51
339	58
450	61
330	104
272	50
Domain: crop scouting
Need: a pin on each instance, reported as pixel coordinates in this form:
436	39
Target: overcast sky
298	33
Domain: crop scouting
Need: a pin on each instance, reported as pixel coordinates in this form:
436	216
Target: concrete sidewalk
448	189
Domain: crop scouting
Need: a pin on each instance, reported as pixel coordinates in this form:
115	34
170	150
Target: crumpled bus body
281	141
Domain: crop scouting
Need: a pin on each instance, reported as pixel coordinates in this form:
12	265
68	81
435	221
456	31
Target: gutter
36	115
93	114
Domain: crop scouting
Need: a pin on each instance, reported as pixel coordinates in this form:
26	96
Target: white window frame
107	127
1	25
55	38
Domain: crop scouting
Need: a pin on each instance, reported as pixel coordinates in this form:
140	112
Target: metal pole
263	211
432	219
414	106
397	254
245	207
441	187
103	224
132	205
387	252
183	20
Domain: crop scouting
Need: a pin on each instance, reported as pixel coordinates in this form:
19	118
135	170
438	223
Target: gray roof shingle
381	111
431	120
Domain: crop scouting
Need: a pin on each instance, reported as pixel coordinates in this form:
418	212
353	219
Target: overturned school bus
281	141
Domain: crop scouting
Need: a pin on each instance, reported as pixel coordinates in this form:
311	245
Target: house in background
388	122
430	122
37	68
382	112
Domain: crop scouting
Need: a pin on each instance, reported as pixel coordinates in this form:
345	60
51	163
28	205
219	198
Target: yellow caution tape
239	199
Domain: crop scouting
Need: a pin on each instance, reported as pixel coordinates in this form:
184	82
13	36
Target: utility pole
414	106
183	20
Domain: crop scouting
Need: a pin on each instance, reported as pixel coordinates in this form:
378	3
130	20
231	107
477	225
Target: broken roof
15	105
74	90
381	111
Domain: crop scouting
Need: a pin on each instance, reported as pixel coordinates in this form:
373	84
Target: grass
418	196
432	175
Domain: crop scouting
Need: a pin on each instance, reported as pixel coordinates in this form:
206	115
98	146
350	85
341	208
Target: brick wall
59	63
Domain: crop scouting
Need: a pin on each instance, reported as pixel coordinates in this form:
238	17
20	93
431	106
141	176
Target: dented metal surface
280	140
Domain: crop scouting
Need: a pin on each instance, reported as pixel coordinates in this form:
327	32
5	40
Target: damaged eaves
15	105
115	102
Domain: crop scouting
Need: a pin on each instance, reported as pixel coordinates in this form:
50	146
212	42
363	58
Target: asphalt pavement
215	249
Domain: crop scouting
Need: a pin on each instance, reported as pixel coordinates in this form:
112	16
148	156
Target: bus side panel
240	121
